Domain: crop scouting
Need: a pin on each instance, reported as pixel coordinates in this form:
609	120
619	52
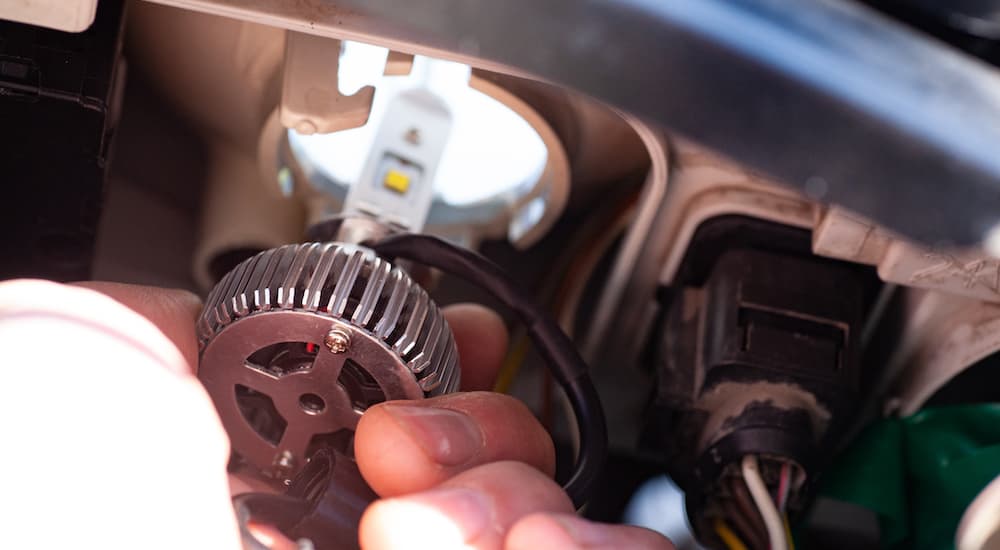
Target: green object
920	473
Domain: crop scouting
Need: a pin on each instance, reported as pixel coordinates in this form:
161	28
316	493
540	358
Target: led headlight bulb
298	341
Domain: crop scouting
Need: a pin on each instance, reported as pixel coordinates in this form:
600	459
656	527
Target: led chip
396	181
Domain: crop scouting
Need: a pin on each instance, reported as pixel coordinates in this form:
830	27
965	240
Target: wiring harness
751	513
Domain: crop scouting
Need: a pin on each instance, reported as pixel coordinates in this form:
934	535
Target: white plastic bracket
310	99
846	236
62	15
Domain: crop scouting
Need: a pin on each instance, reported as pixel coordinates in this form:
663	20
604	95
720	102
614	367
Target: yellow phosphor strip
727	535
512	364
397	181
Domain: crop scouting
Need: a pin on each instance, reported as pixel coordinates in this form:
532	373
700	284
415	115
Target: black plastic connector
758	354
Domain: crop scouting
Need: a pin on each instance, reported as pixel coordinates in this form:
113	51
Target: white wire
593	256
762	498
654	190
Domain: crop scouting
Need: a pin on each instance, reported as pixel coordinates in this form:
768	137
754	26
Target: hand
146	455
472	470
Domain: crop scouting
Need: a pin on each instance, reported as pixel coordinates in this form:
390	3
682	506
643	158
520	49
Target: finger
474	509
114	435
173	311
94	307
481	338
569	532
407	446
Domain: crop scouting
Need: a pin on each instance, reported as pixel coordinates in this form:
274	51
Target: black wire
559	353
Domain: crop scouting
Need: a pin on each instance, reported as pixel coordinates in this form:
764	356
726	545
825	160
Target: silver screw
337	341
412	136
284	463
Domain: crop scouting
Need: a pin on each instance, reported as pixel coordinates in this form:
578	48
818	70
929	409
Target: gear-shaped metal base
298	341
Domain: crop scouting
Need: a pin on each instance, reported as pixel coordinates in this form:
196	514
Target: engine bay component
760	358
969	272
236	224
54	15
943	340
745	42
429	130
298	341
311	101
396	185
765	308
919	473
60	99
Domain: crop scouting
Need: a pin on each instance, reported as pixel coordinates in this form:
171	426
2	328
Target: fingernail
583	532
449	514
447	437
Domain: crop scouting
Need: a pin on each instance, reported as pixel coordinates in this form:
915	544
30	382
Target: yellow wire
728	537
788	533
574	278
512	364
